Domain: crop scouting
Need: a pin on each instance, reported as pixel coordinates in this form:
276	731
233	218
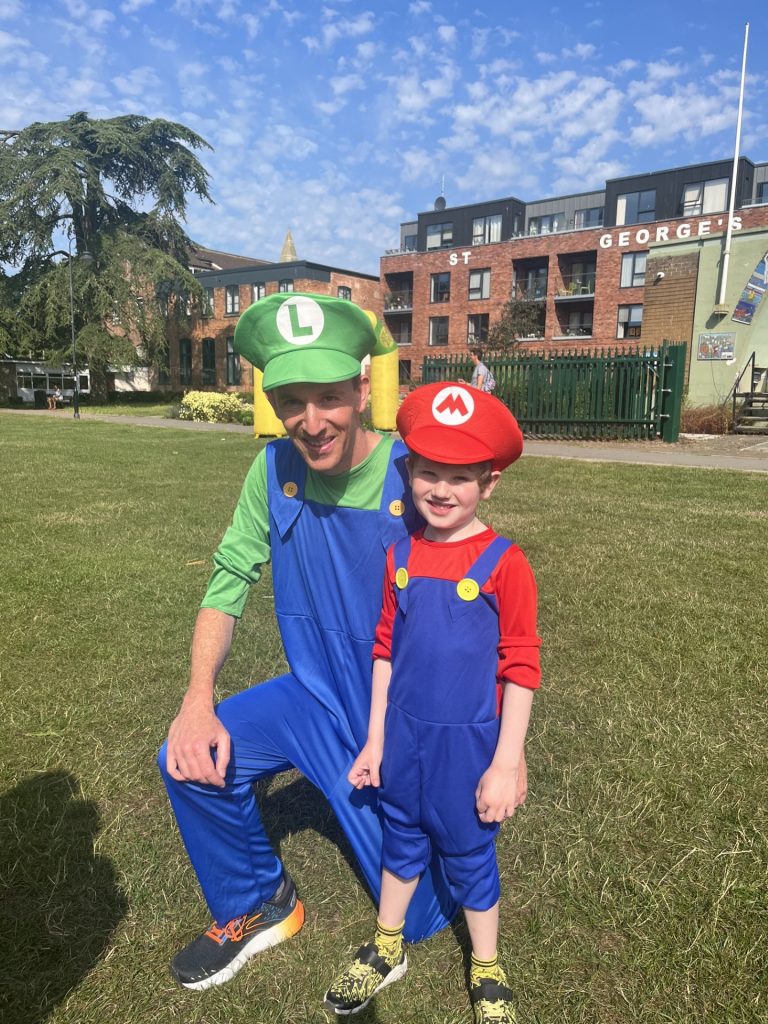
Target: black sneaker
217	956
368	974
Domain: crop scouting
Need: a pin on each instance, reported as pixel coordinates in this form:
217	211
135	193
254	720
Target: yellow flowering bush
212	407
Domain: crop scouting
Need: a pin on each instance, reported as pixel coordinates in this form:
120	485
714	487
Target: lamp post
86	258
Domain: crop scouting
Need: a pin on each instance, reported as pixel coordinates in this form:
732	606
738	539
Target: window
633	269
588	218
209	361
409	243
439	235
285	286
400	329
546	224
259	291
532	284
208	302
233	363
479	284
486	229
579	323
440	287
185	361
232	299
477	329
762	192
438	330
404	371
344	292
630	322
636	207
705	197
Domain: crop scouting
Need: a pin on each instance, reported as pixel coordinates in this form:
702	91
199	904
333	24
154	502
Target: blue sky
339	120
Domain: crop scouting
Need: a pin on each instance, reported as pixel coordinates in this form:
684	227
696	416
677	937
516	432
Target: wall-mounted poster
716	346
747	305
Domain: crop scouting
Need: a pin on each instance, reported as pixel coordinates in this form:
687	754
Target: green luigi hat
297	338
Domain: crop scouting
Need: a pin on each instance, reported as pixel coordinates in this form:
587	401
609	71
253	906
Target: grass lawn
634	882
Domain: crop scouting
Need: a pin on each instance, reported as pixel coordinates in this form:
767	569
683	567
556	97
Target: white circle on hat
300	320
453	405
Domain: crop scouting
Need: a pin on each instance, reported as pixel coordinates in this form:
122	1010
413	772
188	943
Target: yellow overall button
396	507
467	589
401	579
290	490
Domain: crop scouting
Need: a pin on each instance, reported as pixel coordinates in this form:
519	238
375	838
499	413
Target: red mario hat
460	425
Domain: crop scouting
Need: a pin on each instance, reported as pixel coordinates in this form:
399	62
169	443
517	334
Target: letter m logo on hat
300	320
453	406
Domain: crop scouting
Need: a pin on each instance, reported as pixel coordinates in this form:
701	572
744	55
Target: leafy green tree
116	189
520	319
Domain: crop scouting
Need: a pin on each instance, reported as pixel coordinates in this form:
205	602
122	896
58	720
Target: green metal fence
613	393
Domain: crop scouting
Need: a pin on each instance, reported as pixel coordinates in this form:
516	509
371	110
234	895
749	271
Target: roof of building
202	260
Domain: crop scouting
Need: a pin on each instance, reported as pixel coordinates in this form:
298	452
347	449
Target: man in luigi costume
323	505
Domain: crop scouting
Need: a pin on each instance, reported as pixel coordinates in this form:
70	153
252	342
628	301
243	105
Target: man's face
323	421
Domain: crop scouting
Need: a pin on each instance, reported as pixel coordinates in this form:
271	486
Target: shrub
211	407
706	419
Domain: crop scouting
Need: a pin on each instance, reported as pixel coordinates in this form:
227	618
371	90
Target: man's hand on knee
194	733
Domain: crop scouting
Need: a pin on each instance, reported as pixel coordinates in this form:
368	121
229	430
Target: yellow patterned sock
389	942
490	969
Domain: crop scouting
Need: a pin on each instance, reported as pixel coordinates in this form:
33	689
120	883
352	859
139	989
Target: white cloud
10	9
131	6
686	113
543	57
346	83
447	34
137	82
334	30
420	7
581	50
252	24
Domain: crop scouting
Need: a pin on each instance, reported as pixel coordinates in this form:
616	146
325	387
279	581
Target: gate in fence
613	393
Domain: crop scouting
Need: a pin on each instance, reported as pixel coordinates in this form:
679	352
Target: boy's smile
447	496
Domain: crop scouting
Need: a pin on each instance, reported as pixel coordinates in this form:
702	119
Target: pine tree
117	190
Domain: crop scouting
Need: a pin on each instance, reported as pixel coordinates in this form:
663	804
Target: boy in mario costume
456	661
323	505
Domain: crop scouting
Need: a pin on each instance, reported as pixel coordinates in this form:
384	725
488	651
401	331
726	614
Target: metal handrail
735	389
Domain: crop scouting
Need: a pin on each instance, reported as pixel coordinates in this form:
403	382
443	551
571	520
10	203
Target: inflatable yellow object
384	387
384	376
265	423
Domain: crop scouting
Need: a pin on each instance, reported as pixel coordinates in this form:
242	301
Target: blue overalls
328	566
441	727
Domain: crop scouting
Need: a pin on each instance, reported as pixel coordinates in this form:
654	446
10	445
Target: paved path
741	452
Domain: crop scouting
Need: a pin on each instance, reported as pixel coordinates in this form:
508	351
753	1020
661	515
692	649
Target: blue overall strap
483	566
400	555
287	469
396	500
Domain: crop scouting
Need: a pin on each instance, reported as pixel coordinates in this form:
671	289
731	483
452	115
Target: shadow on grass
298	807
61	900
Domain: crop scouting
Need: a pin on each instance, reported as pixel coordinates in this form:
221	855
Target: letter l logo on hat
300	320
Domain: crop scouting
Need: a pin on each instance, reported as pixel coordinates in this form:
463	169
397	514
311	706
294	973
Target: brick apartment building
619	266
202	357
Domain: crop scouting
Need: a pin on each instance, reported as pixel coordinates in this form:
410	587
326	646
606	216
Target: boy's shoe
368	974
218	954
492	1003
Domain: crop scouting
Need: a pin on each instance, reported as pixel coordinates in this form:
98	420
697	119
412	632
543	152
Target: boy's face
323	421
447	496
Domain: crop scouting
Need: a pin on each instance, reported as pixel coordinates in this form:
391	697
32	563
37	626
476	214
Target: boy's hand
496	796
365	769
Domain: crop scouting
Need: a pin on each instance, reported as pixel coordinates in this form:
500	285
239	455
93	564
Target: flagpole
721	306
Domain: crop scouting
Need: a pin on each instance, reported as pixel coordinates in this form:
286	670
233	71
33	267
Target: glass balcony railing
576	286
400	301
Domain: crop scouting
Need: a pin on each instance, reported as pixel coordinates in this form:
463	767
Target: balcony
577	286
398	302
530	293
